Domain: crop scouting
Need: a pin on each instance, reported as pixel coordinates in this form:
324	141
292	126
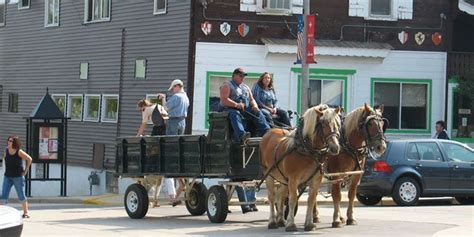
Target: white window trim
46	3
86	107
86	6
103	108
69	104
159	11
23	7
53	96
391	17
265	10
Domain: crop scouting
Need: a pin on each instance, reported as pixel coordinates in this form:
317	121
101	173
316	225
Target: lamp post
305	90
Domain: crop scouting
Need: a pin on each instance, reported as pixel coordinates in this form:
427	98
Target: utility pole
305	100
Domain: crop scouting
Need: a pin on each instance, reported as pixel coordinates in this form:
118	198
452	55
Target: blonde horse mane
356	117
310	118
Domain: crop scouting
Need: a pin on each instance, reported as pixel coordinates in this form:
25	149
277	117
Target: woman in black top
14	172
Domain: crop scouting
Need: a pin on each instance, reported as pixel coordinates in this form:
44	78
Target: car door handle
418	166
455	167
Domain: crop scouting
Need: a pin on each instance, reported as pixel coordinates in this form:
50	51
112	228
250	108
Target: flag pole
305	100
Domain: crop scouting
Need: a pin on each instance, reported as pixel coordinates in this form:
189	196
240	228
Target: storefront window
406	104
329	92
463	117
215	83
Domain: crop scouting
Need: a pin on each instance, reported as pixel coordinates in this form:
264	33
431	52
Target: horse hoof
272	225
316	220
342	220
281	224
310	227
337	225
291	228
351	222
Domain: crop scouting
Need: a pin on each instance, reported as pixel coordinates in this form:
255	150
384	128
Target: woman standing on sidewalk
14	174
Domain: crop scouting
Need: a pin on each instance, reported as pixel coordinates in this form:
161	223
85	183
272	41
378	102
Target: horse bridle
364	127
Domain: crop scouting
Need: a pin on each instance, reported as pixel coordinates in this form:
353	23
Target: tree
466	86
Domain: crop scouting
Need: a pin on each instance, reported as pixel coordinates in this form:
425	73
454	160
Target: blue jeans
8	182
236	120
281	116
175	126
249	196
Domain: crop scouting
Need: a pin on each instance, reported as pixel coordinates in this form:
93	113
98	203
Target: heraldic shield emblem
419	38
437	38
206	27
243	29
403	37
225	28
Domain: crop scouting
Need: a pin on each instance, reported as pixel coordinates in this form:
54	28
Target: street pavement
431	218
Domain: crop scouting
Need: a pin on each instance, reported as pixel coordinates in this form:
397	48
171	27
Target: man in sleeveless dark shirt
236	98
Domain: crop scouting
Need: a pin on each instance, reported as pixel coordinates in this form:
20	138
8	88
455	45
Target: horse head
322	125
372	129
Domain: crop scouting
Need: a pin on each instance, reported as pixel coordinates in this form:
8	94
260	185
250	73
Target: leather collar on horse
360	153
303	146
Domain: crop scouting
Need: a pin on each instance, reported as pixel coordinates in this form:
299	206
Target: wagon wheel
136	201
196	199
217	204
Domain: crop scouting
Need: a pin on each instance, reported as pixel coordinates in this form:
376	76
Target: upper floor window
160	6
381	8
24	4
97	10
51	13
389	10
1	98
272	7
3	11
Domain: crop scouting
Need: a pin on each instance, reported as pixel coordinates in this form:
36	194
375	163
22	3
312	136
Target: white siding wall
398	64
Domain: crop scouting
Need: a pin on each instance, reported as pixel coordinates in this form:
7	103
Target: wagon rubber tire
136	201
287	208
216	204
406	192
465	200
196	202
368	200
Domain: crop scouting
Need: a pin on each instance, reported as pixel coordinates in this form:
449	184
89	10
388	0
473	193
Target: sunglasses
10	140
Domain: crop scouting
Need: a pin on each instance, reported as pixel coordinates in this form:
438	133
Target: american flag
299	53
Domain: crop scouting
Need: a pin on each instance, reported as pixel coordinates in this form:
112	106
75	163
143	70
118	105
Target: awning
330	48
467	6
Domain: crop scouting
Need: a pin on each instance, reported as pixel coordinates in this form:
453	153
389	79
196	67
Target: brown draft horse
294	158
362	129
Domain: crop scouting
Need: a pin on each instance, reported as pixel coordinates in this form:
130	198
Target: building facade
98	58
379	52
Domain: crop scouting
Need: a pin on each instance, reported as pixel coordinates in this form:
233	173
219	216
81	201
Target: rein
303	146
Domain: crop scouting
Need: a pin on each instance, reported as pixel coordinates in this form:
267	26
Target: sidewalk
118	199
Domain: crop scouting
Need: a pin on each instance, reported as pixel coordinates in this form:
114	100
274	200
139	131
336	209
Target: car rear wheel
368	200
465	200
406	192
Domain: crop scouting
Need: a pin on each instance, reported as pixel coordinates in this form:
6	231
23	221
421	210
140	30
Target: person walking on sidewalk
14	173
177	106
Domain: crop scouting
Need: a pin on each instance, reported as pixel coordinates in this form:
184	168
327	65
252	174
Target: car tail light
382	166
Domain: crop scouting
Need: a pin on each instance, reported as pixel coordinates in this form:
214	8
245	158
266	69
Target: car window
412	152
458	153
429	151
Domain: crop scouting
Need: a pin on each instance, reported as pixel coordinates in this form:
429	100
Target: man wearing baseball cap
177	107
236	98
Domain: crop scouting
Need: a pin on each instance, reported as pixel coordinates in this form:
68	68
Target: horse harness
302	146
359	154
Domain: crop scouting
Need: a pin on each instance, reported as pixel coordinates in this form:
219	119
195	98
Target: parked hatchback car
11	222
411	169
